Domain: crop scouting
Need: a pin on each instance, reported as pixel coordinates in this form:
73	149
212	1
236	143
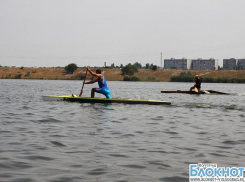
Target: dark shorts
197	86
104	91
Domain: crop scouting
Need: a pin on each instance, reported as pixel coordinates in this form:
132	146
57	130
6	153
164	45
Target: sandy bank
111	74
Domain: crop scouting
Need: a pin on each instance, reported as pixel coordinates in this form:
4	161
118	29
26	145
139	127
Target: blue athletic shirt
103	84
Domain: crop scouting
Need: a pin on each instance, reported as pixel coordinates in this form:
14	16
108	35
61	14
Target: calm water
73	142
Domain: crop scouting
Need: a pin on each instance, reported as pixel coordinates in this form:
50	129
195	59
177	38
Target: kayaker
197	83
103	88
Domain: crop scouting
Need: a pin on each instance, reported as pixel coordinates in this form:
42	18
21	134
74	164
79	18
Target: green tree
112	65
17	76
147	66
27	74
71	68
130	78
182	73
154	67
151	66
137	65
221	68
129	69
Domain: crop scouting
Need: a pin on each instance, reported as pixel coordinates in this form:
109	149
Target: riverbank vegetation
115	74
188	77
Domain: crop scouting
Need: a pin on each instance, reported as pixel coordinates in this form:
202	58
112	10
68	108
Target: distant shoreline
112	74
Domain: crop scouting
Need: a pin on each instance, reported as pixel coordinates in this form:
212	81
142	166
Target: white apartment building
177	64
241	64
203	64
230	64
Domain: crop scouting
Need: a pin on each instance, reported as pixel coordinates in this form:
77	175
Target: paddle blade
83	83
81	93
196	90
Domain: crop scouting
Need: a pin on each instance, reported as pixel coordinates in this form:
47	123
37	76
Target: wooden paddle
196	90
83	83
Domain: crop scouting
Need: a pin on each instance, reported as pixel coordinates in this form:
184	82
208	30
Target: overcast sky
47	33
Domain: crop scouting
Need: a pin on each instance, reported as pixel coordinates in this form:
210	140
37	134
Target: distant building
230	64
177	63
241	64
204	64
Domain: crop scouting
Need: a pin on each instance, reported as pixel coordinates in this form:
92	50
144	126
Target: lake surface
74	142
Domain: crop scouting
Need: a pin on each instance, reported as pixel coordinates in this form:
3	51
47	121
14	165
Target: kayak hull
73	98
200	92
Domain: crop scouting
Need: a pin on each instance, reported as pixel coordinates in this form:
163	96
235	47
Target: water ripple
234	142
65	141
98	171
133	166
117	155
159	163
59	144
173	179
33	157
49	120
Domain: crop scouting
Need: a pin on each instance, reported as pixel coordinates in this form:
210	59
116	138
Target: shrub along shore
160	75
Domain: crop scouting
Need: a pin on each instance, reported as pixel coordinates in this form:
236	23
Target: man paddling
197	84
103	88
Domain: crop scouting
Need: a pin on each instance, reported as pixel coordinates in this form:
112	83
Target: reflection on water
63	141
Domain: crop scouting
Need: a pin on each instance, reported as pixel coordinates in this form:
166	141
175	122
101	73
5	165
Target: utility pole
161	59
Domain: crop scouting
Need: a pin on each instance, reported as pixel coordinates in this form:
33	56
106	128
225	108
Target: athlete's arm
92	81
94	74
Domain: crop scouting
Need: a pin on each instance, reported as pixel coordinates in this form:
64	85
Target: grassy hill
111	74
